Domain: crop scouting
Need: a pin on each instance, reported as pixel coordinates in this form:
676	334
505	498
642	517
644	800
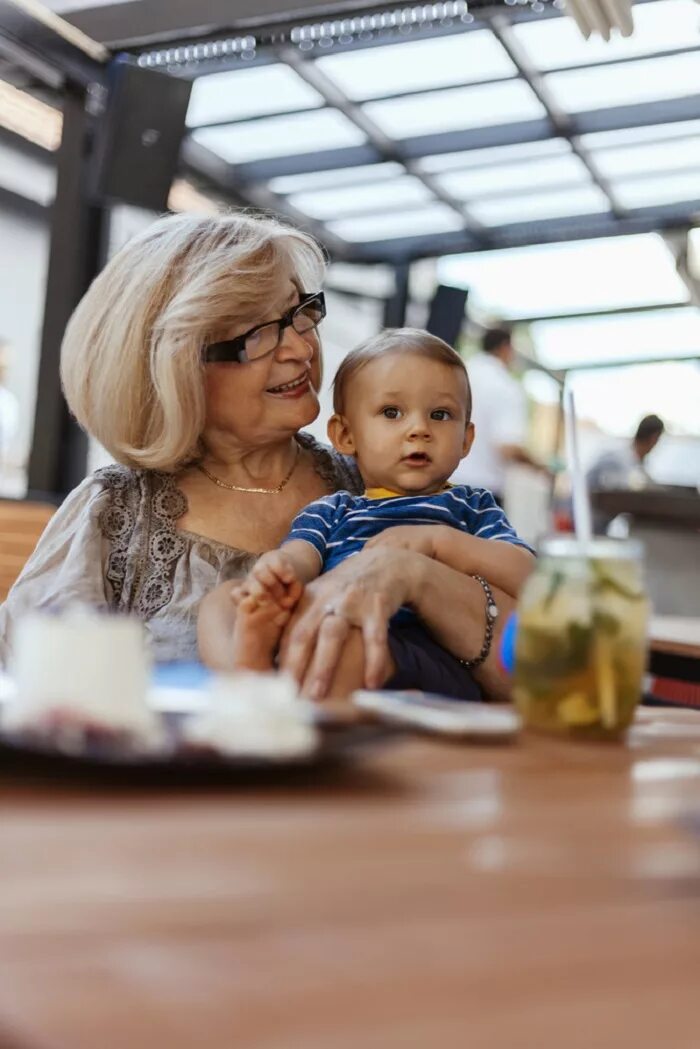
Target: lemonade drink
581	647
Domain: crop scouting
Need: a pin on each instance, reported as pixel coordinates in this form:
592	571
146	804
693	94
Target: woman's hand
421	539
364	592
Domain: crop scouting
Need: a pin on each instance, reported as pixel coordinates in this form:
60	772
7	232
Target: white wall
24	248
348	323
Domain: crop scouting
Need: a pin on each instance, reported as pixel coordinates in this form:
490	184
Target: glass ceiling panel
461	59
553	171
609	273
638	135
435	219
649	335
249	93
634	82
495	155
663	189
335	177
457	108
671	389
333	203
615	163
501	211
664	26
281	136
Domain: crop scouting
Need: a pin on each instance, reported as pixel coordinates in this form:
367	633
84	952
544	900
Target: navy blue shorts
424	664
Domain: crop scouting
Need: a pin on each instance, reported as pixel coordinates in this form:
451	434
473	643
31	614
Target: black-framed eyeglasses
263	339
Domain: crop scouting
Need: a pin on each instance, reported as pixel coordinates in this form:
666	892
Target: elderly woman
194	359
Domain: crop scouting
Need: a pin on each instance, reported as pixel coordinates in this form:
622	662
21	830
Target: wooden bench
21	524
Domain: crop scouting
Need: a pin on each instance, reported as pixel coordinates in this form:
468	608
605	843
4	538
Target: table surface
540	894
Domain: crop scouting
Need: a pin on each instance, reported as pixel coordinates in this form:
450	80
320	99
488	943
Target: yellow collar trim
388	493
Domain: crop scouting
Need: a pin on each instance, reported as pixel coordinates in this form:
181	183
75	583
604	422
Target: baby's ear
340	436
469	434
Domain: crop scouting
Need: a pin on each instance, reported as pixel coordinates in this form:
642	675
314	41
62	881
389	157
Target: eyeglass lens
267	338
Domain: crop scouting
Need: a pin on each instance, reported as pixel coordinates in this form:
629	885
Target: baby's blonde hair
414	341
131	359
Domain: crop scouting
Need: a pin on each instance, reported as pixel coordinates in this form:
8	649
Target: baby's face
407	417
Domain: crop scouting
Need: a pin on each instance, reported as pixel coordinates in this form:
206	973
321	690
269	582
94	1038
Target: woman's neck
236	463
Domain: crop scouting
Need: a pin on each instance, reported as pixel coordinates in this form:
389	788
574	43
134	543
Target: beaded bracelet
491	615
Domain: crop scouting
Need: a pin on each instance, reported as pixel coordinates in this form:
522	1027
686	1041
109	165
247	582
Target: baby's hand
419	538
273	577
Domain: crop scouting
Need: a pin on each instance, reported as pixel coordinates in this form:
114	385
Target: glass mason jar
582	629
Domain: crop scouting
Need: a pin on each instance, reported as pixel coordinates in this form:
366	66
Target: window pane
652	334
553	204
628	84
553	279
280	136
639	135
615	163
248	93
332	203
334	177
666	189
468	158
413	66
555	171
671	390
436	219
458	108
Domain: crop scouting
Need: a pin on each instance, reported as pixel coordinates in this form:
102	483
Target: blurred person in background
624	468
9	409
499	416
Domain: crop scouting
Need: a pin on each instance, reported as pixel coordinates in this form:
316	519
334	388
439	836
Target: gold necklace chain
258	491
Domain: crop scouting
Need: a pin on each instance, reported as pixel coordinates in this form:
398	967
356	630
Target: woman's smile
294	388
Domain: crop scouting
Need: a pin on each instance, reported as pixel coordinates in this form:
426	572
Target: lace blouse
114	544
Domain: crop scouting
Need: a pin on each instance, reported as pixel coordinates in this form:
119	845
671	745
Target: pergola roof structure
405	132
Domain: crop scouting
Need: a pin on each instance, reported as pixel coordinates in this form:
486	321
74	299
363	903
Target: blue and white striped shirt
339	525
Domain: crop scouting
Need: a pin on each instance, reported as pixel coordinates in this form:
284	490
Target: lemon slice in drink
575	709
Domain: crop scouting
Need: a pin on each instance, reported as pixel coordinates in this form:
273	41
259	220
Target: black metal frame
58	459
675	666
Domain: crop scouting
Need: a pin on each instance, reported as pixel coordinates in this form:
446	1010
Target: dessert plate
177	693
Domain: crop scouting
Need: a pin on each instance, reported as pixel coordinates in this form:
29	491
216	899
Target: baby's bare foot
257	632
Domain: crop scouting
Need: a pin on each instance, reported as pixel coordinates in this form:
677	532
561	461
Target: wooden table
537	896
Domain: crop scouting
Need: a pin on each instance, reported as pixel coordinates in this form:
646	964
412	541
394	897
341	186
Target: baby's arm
280	575
504	565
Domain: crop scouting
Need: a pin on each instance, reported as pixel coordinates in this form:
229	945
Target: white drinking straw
581	501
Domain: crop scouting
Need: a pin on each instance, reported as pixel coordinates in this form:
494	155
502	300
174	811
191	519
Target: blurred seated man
624	467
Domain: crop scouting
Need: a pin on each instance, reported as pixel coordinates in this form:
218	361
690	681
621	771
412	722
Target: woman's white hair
131	359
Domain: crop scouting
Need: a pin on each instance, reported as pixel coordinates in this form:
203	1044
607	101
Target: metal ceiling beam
612	311
561	121
385	146
215	173
155	22
49	47
545	231
596	365
615	118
